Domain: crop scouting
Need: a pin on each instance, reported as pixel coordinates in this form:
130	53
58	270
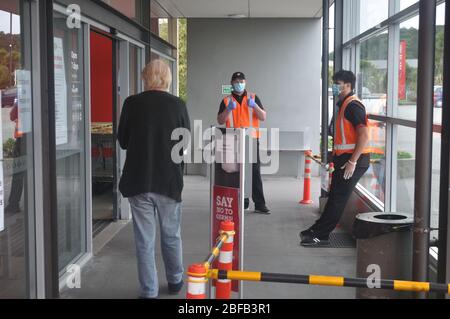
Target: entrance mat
342	240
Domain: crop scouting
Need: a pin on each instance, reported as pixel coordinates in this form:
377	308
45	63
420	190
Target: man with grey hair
151	180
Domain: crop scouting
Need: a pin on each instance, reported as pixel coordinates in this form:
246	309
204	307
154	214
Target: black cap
238	76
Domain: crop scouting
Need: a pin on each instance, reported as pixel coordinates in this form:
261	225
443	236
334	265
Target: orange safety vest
17	132
346	138
243	116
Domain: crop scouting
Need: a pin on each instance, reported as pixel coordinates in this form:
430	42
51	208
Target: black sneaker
174	289
312	241
306	233
246	203
262	210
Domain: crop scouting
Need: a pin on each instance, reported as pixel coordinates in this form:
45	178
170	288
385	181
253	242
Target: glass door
70	140
17	213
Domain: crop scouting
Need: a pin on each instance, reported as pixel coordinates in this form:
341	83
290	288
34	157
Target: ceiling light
237	16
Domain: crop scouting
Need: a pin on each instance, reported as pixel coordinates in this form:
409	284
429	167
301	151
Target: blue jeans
144	208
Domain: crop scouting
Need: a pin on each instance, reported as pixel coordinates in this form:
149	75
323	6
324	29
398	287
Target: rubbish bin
384	240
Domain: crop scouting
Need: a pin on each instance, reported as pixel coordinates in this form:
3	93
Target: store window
70	140
374	180
372	13
407	3
372	77
155	55
439	64
408	64
405	143
16	157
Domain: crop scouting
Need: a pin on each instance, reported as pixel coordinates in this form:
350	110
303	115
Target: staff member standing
351	158
244	110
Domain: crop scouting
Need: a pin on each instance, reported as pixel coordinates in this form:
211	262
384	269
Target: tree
182	58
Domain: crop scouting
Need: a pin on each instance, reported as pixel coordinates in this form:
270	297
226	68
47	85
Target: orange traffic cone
196	288
223	286
307	180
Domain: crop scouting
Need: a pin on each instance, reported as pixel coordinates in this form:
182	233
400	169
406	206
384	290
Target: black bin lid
369	225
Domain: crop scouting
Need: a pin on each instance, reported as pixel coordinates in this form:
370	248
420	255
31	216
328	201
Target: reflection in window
439	64
408	63
374	179
130	8
372	77
161	28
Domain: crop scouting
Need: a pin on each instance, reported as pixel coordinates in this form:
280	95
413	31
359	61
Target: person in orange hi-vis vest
351	158
243	109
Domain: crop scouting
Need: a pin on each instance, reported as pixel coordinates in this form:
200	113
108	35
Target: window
374	179
405	160
371	13
372	77
408	63
161	28
407	3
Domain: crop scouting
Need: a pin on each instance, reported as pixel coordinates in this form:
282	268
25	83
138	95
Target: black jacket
146	125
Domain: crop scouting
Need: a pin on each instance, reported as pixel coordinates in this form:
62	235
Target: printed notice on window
60	94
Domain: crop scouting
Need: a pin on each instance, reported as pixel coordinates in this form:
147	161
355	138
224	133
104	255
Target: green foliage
182	59
8	148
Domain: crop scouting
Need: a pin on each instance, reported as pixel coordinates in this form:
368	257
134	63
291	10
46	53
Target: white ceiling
249	8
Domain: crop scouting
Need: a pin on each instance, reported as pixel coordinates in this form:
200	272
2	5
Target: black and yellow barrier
396	285
215	250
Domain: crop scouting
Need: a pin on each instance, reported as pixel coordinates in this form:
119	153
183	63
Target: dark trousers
257	185
18	177
340	193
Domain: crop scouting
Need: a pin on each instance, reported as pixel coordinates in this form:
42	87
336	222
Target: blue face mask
336	89
239	87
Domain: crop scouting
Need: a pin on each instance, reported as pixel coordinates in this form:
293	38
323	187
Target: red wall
101	78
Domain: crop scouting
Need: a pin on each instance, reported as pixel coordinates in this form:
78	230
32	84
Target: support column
424	140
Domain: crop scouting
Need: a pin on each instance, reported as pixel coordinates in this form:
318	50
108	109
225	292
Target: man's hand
349	168
251	102
231	104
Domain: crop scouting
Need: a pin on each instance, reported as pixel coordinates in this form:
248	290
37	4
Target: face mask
336	89
239	87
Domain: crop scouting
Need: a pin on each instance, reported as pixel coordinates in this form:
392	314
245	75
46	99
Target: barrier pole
307	200
332	281
223	286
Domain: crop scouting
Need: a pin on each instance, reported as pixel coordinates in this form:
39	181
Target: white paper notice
23	78
60	94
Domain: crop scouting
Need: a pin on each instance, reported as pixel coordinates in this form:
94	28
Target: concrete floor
271	245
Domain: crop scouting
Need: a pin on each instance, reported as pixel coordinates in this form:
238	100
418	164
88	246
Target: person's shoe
246	203
262	210
306	233
174	289
312	241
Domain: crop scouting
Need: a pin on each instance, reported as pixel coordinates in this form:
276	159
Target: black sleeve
356	114
124	125
222	107
258	101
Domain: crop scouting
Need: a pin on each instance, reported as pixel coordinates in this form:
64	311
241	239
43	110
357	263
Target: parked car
438	96
8	97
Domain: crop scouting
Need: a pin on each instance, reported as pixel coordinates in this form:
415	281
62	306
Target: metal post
444	204
325	66
338	33
424	139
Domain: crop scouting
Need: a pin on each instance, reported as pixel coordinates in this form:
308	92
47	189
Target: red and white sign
402	72
226	207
